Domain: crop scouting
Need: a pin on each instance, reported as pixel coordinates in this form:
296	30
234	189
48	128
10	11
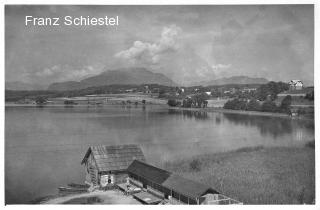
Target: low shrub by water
310	144
195	165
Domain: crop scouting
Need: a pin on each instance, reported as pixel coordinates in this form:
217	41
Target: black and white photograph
200	104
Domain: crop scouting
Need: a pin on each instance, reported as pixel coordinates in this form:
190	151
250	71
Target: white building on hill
296	84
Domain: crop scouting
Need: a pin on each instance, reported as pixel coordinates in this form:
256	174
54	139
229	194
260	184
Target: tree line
255	105
263	99
198	100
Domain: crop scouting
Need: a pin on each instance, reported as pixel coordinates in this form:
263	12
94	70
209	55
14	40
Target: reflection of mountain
269	125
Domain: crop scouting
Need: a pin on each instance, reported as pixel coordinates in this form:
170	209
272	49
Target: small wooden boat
72	190
80	186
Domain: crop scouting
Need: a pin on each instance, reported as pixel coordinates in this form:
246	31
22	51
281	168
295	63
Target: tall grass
255	175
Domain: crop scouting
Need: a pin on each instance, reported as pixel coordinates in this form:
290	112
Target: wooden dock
147	198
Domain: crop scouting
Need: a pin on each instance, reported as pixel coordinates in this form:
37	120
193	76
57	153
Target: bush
195	165
235	104
285	104
172	102
69	102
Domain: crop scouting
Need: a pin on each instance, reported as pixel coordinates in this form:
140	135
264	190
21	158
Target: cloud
151	53
59	73
221	66
223	70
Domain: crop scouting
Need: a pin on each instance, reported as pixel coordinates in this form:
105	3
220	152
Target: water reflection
274	126
188	114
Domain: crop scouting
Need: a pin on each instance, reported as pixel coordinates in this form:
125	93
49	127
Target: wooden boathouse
107	165
172	187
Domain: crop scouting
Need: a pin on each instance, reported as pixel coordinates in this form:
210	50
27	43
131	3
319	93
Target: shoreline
252	113
207	109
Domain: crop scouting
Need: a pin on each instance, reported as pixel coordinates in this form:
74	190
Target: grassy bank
97	197
255	175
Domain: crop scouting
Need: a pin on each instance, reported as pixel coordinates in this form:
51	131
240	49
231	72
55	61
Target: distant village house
296	85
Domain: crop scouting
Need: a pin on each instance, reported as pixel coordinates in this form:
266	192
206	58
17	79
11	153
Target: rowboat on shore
71	190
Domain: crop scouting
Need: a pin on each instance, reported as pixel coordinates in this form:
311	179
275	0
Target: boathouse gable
106	165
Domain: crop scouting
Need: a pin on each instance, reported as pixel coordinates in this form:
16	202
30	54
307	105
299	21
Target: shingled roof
116	157
170	180
187	187
148	172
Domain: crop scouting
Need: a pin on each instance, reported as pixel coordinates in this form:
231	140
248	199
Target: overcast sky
186	43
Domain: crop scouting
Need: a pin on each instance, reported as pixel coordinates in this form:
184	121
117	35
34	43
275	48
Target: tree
187	103
272	89
69	102
162	93
235	104
253	105
40	100
285	104
310	96
172	102
200	99
205	104
269	106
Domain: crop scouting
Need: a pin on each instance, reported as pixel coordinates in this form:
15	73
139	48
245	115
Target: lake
44	146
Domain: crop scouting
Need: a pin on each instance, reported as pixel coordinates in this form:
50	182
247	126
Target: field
255	175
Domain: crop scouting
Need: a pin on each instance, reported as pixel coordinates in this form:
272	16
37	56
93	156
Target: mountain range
123	76
134	76
18	85
239	80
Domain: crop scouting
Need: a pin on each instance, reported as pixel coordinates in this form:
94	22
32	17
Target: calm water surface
44	146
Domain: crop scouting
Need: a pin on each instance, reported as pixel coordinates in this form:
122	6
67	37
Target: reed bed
255	175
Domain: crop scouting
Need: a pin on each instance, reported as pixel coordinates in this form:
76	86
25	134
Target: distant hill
69	85
17	85
134	76
234	80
